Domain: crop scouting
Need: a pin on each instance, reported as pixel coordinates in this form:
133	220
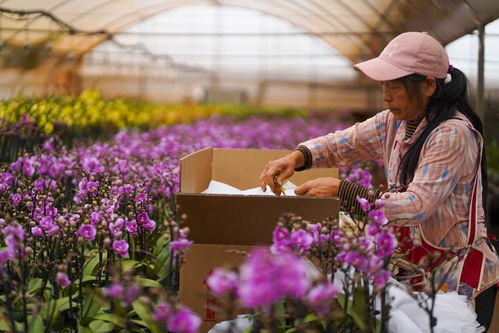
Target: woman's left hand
319	187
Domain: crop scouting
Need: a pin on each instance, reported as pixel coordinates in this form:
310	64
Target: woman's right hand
276	172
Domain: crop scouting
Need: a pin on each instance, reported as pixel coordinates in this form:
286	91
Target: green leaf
163	260
355	308
34	285
139	322
145	315
90	264
161	243
128	264
310	317
112	318
99	326
36	325
82	329
4	326
62	304
87	278
163	272
143	282
359	313
90	308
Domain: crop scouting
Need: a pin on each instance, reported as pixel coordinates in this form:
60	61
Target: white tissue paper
216	187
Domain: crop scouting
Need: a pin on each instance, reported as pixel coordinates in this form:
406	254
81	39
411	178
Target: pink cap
408	53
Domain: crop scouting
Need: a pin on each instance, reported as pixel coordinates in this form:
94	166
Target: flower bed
91	240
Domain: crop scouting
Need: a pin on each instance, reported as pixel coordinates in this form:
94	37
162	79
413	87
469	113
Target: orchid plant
320	277
90	241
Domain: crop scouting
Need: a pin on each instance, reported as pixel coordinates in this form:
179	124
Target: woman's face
400	104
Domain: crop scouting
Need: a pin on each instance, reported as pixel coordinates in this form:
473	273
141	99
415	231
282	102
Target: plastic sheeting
358	29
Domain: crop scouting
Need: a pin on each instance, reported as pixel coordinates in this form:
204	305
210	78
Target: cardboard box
222	226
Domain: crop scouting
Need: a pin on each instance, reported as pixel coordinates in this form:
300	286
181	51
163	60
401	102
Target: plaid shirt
438	198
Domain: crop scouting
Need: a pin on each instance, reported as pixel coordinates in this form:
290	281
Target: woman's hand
276	172
319	187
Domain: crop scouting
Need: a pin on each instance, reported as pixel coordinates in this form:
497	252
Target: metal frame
322	21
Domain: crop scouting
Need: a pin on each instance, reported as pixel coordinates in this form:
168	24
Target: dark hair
448	98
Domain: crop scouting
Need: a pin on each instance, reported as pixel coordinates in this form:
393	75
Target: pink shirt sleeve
450	153
362	142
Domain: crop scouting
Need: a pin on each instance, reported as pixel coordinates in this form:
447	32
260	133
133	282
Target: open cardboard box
225	227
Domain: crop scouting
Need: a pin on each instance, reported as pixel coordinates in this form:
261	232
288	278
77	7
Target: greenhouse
249	166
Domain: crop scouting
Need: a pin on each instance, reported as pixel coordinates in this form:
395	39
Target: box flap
245	220
241	168
196	171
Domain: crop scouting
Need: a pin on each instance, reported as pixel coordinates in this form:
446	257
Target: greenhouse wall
297	94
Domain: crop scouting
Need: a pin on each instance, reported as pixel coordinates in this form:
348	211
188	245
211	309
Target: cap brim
379	70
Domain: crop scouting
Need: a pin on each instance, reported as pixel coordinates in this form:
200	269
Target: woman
430	141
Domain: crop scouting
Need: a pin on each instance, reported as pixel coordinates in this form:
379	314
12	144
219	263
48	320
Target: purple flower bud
39	184
62	279
130	294
15	230
149	225
16	199
372	230
37	231
321	297
185	321
221	281
53	230
95	218
336	237
355	259
314	230
280	248
16	165
114	291
142	218
266	278
46	222
280	235
120	247
82	185
378	217
132	228
386	244
74	218
375	264
117	226
93	186
28	168
381	277
4	257
12	246
302	239
48	145
87	232
180	245
379	203
140	198
364	204
323	238
162	313
7	179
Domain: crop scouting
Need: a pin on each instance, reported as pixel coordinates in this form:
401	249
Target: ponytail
447	99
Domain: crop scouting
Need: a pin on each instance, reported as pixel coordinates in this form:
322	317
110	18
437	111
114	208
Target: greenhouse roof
357	29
